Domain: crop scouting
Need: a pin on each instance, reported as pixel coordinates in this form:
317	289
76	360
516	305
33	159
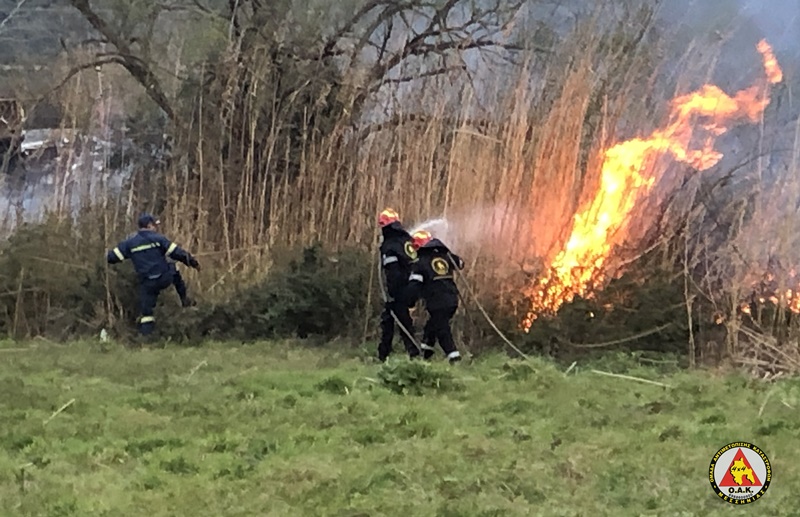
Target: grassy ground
283	430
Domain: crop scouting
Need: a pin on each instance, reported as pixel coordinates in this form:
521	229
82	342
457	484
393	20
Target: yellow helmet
387	217
421	238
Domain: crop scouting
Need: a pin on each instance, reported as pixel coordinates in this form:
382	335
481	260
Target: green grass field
279	429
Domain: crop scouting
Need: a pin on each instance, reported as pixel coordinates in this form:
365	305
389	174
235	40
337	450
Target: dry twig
59	411
631	378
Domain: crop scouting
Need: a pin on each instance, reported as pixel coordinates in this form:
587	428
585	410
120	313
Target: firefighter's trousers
437	329
388	326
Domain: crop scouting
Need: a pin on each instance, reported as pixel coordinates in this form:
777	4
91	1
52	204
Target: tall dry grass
532	157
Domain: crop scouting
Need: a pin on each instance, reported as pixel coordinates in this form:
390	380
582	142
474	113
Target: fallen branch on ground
59	411
623	340
631	378
197	367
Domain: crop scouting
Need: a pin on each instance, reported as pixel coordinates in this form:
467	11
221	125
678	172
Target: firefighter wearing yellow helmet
432	280
397	258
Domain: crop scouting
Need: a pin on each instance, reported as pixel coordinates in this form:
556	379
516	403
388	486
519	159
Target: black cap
146	220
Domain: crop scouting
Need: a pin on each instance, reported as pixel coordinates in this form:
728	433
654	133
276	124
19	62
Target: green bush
53	281
315	295
639	302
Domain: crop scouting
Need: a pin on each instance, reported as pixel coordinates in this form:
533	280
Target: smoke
720	35
499	236
779	20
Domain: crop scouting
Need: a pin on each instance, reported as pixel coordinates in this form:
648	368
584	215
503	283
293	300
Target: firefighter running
397	258
149	250
432	280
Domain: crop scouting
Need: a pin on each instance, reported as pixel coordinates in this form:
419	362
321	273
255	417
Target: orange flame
766	289
627	176
774	72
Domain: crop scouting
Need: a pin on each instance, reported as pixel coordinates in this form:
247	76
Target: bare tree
380	42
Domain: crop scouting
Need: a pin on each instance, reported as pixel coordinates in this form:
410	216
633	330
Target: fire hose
471	292
483	311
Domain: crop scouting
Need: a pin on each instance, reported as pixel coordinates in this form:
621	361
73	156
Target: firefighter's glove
194	263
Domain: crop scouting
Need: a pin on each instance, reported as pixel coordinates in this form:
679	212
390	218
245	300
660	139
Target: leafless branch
195	6
422	75
136	67
327	50
13	13
451	38
85	66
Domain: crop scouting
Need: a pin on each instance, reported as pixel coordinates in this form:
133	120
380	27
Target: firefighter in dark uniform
177	278
432	280
397	257
149	250
177	281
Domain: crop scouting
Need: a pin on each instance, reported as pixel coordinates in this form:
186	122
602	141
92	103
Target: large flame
627	176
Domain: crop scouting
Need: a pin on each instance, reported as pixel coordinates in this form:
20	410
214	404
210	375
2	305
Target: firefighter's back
147	254
440	290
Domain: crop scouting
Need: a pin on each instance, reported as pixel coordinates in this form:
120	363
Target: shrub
638	302
53	280
317	294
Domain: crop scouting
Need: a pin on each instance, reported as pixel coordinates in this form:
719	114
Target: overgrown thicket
54	288
288	129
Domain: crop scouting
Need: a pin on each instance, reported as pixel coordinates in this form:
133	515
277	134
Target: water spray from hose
437	227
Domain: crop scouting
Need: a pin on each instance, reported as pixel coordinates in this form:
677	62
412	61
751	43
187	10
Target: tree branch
136	67
13	13
385	16
85	66
327	50
196	8
420	49
450	38
421	75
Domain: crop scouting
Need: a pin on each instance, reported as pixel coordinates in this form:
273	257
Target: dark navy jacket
432	277
148	251
397	258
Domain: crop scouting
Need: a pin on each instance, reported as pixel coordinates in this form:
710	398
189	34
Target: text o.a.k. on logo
740	473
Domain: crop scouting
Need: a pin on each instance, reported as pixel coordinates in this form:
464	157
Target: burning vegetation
628	174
